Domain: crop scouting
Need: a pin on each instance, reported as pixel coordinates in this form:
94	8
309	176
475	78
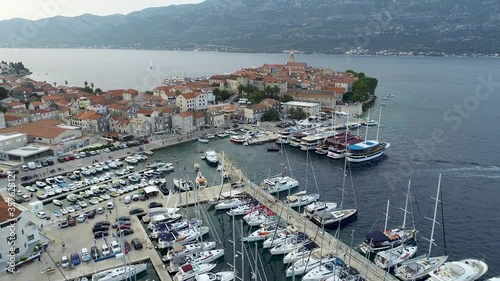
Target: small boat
219	276
181	184
203	157
203	140
196	166
354	126
393	257
57	202
237	139
201	182
219	168
210	136
370	123
211	157
222	135
273	149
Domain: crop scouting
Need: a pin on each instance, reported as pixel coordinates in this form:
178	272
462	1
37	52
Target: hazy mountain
273	25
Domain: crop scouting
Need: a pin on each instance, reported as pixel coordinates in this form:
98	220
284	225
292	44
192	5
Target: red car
122	226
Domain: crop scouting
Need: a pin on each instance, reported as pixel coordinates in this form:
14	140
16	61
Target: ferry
284	137
119	273
296	139
311	142
366	151
338	150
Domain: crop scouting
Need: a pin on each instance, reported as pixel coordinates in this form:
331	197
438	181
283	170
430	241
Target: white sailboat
421	267
325	270
119	273
219	276
308	263
395	256
301	199
202	257
188	249
189	271
463	270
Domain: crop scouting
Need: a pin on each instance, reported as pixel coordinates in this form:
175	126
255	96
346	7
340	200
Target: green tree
297	113
286	98
98	91
66	83
86	84
271	115
256	97
240	89
3	93
55	84
92	85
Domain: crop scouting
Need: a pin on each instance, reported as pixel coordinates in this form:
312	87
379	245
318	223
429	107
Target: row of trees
297	113
362	88
221	95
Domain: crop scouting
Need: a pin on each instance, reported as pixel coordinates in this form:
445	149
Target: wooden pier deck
327	242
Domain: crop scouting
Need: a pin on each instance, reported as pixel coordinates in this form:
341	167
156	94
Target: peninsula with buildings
41	119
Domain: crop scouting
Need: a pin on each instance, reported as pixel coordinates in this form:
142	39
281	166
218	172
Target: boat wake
492	172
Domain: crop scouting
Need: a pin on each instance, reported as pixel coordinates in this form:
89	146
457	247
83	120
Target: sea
442	119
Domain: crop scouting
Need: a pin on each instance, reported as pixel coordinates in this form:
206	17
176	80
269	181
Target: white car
30	188
70	209
115	247
82	218
41	215
110	205
64	262
105	250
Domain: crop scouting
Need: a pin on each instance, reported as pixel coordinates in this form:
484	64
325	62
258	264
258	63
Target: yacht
311	209
240	210
308	263
366	151
119	273
202	257
379	241
189	271
222	135
284	137
300	253
296	139
181	184
210	136
299	200
463	270
325	270
263	233
279	184
219	276
166	240
211	157
203	140
289	245
188	249
418	268
168	167
393	257
332	219
229	204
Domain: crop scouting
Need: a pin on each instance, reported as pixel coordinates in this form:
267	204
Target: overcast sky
37	9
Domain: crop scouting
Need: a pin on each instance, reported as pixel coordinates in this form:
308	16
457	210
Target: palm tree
86	84
66	83
92	85
55	84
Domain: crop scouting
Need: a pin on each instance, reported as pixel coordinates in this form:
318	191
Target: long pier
327	242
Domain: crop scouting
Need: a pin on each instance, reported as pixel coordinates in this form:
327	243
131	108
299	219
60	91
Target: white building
16	232
308	107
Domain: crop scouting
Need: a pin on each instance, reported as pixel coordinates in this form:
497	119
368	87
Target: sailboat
379	241
119	273
219	276
421	267
463	270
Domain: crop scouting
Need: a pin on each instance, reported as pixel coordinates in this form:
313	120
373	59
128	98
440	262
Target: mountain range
313	26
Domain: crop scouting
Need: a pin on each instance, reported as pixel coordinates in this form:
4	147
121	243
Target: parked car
115	247
136	243
95	253
41	214
64	262
85	255
122	218
155	205
136	211
100	210
106	223
91	214
100	234
75	259
121	223
127	246
100	228
50	162
72	222
110	205
82	218
63	224
122	226
105	250
136	197
125	232
3	174
61	160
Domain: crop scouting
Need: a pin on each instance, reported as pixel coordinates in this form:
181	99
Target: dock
325	241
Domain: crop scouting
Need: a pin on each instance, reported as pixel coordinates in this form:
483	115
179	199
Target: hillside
324	26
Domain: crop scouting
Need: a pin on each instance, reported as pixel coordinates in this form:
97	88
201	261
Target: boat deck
327	242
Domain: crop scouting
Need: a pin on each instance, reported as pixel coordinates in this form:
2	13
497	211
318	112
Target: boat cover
377	236
187	268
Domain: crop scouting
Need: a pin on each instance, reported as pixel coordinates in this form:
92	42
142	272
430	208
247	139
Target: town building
255	112
308	107
183	122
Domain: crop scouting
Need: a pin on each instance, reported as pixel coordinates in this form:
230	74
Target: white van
31	165
127	199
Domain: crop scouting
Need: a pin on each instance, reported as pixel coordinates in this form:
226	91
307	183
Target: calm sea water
442	119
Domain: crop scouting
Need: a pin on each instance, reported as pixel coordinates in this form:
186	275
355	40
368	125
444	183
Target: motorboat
181	184
279	184
211	157
188	271
313	208
168	167
57	202
168	239
369	123
120	273
263	233
219	276
332	219
418	268
163	218
354	126
308	263
131	160
178	225
237	139
229	204
187	250
240	210
393	257
202	257
378	241
366	151
222	135
203	140
196	167
299	200
463	270
273	149
201	182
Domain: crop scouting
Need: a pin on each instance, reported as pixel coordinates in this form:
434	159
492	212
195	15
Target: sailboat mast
435	213
379	119
234	246
386	215
366	125
242	254
406	205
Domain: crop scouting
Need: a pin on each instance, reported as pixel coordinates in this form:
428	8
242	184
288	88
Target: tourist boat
263	233
273	149
284	137
301	199
325	270
211	157
311	142
393	257
181	184
366	151
296	139
189	271
332	219
463	270
202	257
308	263
338	149
57	202
240	210
229	204
168	239
222	135
313	208
119	273
299	253
201	182
279	184
237	139
219	276
168	167
203	140
187	250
